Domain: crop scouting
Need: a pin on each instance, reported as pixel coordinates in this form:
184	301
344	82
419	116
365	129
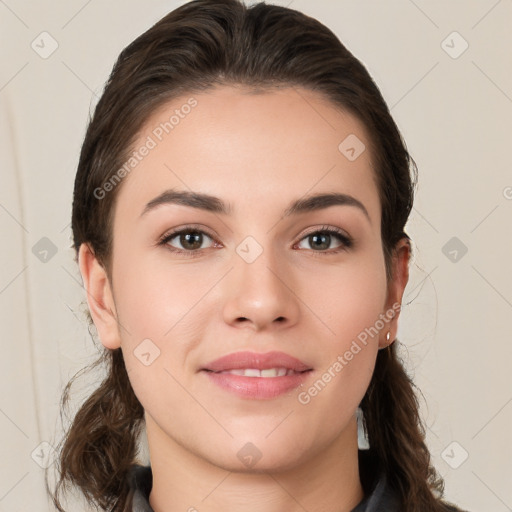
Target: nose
261	294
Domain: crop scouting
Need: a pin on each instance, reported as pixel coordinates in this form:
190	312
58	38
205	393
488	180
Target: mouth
254	384
265	374
257	376
251	362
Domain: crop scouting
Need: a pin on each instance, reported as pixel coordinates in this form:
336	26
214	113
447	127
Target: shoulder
379	495
140	478
140	482
450	507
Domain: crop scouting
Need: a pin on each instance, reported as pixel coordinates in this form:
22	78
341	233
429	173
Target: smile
254	372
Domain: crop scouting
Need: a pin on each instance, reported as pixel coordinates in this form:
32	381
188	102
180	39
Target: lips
257	376
257	361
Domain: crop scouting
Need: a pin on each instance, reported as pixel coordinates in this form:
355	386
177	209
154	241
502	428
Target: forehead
264	147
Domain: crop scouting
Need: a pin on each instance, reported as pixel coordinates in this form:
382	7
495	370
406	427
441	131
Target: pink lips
257	360
257	387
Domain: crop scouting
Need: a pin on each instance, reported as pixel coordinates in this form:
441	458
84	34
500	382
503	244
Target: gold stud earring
388	335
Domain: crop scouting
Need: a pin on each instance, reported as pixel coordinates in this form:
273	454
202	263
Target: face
192	282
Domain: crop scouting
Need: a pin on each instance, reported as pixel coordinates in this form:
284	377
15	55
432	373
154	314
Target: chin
253	456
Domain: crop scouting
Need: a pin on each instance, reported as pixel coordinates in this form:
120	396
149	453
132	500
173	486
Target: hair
198	46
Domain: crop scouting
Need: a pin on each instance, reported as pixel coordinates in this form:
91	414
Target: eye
321	239
189	240
186	240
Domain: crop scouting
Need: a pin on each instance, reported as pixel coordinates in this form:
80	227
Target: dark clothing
379	496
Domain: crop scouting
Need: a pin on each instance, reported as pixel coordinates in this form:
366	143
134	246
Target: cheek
349	300
348	359
155	310
158	308
348	297
152	297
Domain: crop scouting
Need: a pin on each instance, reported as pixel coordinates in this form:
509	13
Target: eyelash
346	241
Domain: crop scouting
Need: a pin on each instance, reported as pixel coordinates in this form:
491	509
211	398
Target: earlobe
396	288
99	297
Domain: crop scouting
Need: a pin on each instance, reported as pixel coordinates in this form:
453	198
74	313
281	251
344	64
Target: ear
99	297
396	287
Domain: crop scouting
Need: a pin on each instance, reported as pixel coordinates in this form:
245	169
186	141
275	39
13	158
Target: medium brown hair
200	45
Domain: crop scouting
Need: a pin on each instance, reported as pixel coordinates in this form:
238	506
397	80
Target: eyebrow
216	205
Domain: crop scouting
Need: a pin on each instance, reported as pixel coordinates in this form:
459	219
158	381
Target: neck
183	481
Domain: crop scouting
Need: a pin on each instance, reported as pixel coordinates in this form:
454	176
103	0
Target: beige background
455	116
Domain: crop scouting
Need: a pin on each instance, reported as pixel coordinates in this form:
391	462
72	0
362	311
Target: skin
258	152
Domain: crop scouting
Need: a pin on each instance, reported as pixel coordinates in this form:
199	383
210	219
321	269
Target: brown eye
321	240
189	240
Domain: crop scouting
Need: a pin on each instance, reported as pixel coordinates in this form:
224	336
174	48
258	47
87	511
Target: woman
238	217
